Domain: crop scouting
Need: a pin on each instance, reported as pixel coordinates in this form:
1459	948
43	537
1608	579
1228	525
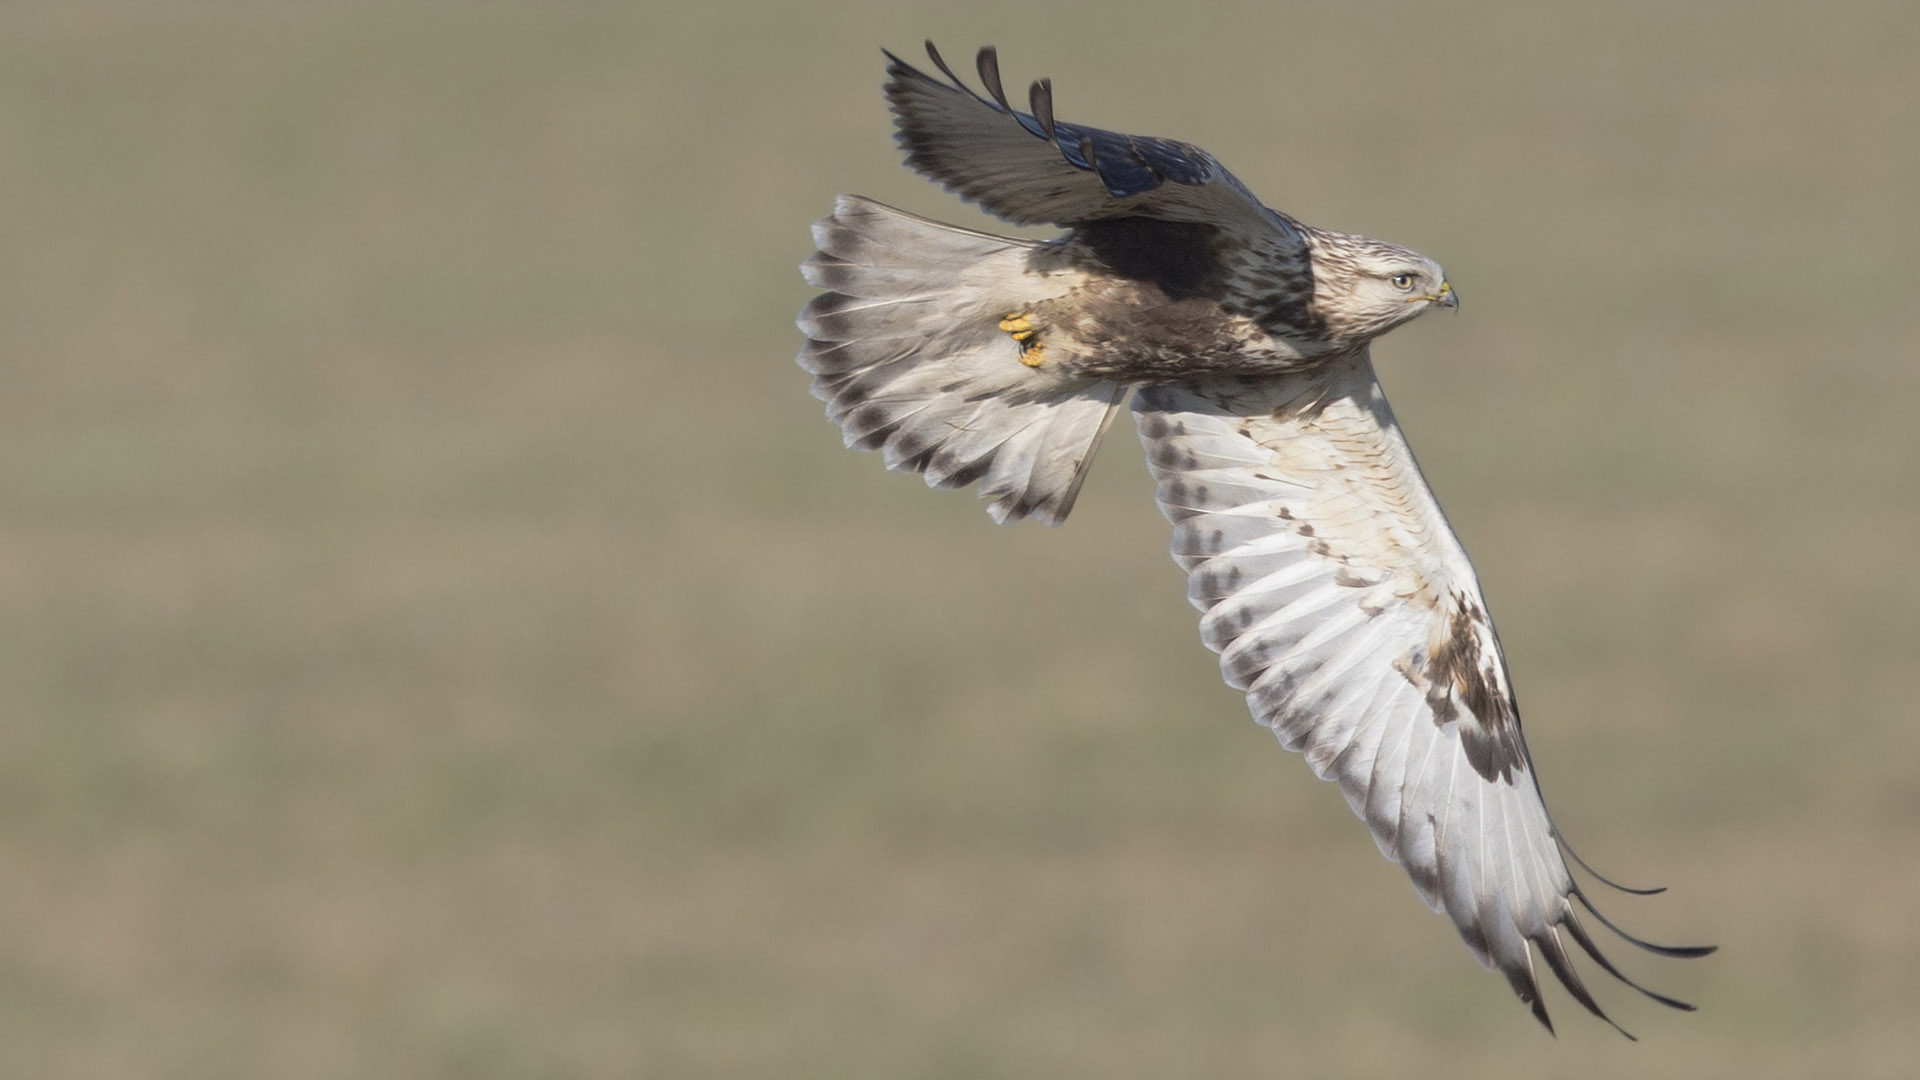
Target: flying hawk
1331	586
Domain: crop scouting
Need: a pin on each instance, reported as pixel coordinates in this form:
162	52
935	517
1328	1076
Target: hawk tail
919	351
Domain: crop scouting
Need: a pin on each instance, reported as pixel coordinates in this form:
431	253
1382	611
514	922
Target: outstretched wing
1032	169
1343	605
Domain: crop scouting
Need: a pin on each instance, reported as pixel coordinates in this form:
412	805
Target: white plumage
906	351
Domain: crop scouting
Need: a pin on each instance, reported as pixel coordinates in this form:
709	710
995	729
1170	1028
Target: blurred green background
440	636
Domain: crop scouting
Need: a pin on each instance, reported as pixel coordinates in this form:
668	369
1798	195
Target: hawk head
1365	287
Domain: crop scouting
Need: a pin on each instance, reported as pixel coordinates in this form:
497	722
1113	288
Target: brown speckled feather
1341	602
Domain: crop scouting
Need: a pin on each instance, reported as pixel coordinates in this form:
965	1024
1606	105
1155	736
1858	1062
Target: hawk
1330	583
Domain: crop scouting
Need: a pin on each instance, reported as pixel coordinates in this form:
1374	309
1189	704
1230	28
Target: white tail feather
906	349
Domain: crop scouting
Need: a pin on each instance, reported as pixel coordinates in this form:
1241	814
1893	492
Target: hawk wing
1032	169
1344	606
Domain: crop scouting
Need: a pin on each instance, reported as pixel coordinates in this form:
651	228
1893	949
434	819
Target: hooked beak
1446	297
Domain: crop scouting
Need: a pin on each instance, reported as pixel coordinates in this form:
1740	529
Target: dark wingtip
899	72
1555	953
1586	943
1600	877
1540	1013
940	62
987	62
1528	990
1684	952
1040	100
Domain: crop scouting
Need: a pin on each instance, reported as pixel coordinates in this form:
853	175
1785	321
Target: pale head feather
1365	287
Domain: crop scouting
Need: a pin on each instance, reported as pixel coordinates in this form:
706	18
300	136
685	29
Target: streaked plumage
1330	584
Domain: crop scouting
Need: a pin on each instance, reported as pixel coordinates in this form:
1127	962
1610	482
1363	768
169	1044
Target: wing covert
1342	604
1031	169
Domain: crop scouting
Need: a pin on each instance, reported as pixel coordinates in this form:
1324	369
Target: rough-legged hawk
1337	596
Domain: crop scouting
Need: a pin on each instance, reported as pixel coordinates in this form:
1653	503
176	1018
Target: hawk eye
1403	282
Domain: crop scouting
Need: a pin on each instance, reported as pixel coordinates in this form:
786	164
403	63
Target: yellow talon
1020	327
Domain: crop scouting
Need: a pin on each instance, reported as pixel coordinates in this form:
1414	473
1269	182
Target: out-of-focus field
439	636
